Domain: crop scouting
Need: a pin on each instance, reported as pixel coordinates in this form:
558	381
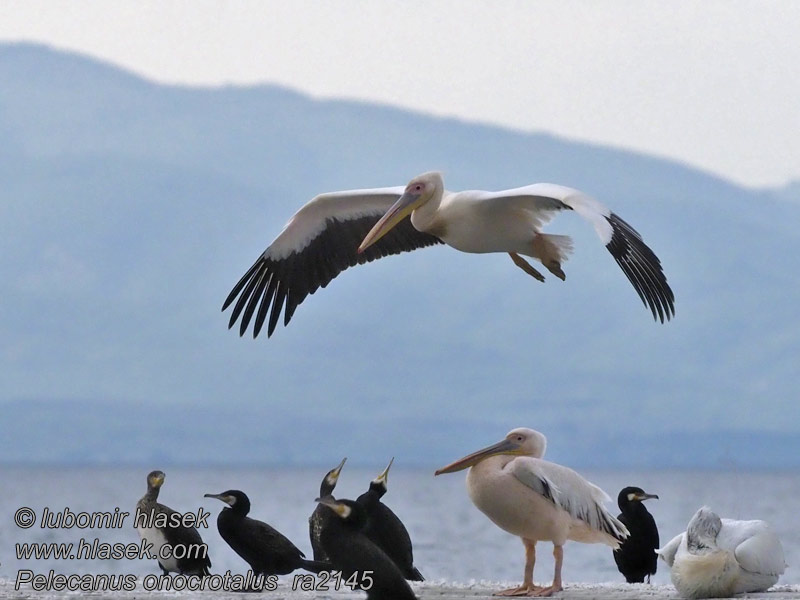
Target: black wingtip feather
642	268
241	283
277	305
253	302
281	285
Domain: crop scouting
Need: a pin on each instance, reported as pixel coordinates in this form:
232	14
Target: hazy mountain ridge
129	209
214	438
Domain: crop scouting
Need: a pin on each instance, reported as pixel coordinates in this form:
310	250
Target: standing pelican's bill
386	529
361	562
320	514
322	239
266	550
636	557
719	558
161	526
536	500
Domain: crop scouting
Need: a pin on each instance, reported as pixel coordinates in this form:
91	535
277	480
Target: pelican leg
558	554
555	268
551	250
525	266
527	588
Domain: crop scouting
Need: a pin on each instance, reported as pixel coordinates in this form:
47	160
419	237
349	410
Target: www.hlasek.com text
97	550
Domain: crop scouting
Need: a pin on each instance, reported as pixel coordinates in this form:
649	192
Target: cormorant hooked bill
196	561
315	521
352	553
636	557
266	550
385	528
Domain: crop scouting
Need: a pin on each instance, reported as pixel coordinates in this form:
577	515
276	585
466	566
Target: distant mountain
790	191
129	209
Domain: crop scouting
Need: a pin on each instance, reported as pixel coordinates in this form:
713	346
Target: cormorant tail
315	566
414	574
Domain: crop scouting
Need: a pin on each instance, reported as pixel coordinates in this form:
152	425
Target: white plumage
716	558
156	537
537	500
338	230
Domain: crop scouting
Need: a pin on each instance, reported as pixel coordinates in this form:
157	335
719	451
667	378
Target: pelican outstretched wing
318	243
570	492
639	263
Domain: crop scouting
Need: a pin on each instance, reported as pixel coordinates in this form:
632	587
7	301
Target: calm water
453	541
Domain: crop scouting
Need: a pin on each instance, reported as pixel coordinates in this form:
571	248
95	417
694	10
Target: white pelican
536	500
321	240
716	558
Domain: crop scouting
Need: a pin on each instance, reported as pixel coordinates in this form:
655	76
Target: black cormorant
385	528
320	512
157	525
636	557
265	549
352	553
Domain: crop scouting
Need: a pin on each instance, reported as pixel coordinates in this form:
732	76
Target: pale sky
715	84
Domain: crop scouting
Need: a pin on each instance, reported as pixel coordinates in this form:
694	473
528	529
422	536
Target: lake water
453	541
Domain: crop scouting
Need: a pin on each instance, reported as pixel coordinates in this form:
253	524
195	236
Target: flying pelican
536	500
321	240
717	558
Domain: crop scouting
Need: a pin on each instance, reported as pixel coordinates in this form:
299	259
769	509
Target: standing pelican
718	558
536	500
321	240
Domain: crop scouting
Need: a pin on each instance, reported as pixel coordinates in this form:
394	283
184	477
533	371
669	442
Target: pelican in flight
538	501
322	239
718	558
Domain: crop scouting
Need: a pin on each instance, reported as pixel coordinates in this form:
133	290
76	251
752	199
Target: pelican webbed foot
555	268
548	591
526	266
523	590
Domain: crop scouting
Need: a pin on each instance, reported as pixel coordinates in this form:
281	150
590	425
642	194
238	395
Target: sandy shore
425	591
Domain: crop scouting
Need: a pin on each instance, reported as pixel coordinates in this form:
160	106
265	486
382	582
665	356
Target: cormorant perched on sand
636	557
352	553
320	512
385	528
265	549
159	530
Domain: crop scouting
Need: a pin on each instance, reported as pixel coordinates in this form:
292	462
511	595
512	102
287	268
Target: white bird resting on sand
538	501
717	558
322	239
